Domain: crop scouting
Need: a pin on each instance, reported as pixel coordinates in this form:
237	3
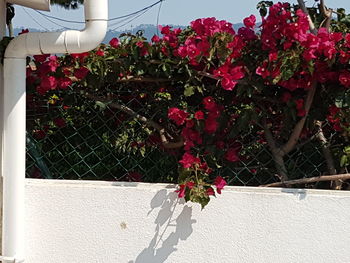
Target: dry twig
322	178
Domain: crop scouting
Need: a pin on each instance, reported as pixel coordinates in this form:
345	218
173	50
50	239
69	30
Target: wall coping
171	187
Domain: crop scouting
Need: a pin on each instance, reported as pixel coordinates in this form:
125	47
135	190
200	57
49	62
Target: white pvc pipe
71	41
35	4
14	158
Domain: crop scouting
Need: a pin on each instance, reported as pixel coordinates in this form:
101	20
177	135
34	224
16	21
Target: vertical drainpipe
71	41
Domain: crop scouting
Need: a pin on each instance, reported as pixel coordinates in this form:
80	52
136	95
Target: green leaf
189	90
102	106
347	150
184	174
344	161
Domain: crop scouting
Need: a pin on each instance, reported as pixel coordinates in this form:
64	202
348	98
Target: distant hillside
148	31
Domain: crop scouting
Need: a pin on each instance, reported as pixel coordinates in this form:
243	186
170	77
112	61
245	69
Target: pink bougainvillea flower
100	52
209	103
81	56
40	90
144	51
220	183
210	191
204	167
228	84
237	72
39	134
247	34
114	42
301	113
190	185
64	83
134	177
344	78
249	21
262	71
81	73
220	145
59	122
211	125
232	155
286	96
188	160
67	71
155	39
333	110
182	51
181	191
273	56
177	115
140	44
49	83
199	115
299	103
41	58
189	123
222	71
24	31
253	171
165	30
48	66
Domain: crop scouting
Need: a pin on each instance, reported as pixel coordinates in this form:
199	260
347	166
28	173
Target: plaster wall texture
70	221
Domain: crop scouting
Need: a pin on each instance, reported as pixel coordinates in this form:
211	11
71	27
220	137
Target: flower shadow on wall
169	230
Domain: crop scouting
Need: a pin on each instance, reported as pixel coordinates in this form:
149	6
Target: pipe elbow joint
88	39
70	41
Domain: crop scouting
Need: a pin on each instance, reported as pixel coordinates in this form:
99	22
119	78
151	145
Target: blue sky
178	12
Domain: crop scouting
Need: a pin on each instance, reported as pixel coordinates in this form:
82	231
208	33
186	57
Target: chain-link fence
103	143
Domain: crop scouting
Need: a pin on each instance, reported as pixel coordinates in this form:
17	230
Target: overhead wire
111	19
158	15
136	12
34	19
53	22
130	20
136	15
123	20
59	19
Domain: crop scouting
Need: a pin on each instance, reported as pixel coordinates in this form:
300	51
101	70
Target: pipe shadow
168	231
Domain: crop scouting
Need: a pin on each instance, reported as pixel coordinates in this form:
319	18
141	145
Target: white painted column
14	157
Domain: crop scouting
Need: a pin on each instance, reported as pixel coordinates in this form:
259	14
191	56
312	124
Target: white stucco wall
69	221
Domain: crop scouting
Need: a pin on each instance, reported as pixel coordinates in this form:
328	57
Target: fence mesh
107	144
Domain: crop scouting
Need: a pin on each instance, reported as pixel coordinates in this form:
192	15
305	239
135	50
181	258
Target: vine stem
311	23
293	139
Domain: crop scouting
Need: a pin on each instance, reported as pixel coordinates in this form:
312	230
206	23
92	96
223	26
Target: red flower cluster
214	111
211	26
334	118
188	160
114	42
219	183
177	115
230	75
